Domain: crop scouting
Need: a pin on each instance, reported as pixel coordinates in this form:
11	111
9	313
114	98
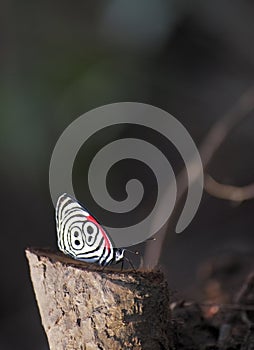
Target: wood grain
83	307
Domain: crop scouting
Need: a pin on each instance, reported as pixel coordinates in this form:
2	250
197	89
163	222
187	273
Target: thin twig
215	137
239	307
232	193
234	306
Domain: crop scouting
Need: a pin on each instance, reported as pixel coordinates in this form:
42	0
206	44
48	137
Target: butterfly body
81	236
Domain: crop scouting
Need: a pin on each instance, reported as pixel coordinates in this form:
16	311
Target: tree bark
84	307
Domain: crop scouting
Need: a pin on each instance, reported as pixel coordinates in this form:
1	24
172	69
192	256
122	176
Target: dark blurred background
58	61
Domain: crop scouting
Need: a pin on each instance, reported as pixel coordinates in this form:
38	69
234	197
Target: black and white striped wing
80	235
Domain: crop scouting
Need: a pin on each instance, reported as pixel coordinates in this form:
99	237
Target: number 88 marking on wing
81	236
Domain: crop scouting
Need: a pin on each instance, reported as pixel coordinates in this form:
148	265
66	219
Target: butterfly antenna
151	239
122	265
131	251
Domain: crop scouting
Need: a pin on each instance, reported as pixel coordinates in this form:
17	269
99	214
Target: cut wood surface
85	307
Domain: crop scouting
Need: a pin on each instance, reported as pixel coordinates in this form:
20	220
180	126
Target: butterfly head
119	254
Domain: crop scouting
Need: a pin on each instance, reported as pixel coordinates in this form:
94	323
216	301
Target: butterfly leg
130	263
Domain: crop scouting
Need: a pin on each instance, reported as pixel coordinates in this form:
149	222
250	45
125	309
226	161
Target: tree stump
85	307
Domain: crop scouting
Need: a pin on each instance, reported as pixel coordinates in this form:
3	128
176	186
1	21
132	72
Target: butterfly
82	237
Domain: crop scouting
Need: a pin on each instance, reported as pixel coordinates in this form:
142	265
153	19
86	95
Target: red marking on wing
104	234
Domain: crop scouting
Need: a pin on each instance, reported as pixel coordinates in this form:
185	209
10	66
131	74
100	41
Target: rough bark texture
83	307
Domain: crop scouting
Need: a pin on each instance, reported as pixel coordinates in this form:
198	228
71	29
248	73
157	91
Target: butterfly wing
80	235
